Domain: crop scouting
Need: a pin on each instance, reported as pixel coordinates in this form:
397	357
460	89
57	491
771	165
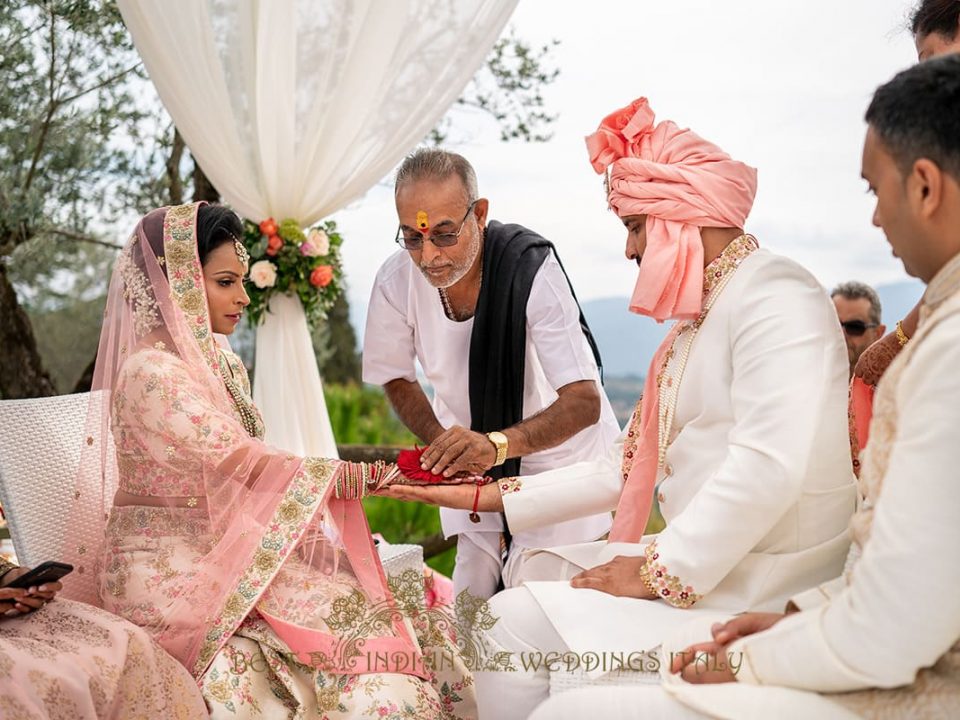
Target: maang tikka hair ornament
241	251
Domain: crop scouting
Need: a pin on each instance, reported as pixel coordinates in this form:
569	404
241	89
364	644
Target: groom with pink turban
741	435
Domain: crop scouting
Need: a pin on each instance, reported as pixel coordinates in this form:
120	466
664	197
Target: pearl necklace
668	392
249	416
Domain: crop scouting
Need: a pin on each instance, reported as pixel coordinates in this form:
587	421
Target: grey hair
854	290
436	164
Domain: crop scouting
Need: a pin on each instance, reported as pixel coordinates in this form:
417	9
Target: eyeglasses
413	240
856	328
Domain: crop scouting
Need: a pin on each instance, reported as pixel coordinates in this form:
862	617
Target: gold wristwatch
499	441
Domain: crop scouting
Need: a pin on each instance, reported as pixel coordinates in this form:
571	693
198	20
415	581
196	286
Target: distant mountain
628	341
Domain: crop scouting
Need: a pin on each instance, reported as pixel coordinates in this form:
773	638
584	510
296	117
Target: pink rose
321	276
619	134
317	244
263	274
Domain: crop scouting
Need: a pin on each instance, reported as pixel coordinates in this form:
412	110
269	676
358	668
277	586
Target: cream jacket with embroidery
757	487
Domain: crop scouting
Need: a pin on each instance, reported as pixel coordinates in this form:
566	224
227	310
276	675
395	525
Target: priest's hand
459	497
620	577
459	450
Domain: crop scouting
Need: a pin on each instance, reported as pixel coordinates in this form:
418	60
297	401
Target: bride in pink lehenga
252	567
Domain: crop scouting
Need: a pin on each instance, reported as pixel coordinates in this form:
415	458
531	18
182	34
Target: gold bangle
901	335
6	566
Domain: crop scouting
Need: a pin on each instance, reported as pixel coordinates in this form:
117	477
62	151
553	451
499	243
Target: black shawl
512	256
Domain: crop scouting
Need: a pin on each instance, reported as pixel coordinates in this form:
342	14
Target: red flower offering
408	461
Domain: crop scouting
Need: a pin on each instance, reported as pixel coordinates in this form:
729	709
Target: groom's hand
620	577
459	450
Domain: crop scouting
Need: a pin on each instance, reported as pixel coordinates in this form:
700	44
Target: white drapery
293	108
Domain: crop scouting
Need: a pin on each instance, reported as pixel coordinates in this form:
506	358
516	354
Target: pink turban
681	183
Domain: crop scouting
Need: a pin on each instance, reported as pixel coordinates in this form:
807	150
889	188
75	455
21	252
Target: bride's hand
459	497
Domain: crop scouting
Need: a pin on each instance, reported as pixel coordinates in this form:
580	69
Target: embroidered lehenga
71	660
252	567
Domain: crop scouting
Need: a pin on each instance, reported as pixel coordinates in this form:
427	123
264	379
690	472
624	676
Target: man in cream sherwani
741	433
883	640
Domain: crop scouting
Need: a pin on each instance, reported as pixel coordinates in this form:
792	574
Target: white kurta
757	486
406	324
883	641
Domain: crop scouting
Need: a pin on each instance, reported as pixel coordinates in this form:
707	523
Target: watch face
498	438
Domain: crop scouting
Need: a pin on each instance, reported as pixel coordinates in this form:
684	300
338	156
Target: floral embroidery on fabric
666	586
137	292
728	261
186	276
289	521
510	485
630	444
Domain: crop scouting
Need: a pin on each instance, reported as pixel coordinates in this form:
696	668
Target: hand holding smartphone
47	572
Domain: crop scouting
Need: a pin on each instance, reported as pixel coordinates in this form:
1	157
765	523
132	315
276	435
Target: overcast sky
779	84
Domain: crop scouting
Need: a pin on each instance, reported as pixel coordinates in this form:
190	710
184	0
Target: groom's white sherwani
756	488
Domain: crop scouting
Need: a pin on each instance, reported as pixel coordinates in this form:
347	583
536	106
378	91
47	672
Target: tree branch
51	104
79	237
174	182
108	81
436	544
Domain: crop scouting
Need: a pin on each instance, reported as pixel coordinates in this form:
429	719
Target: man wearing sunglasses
858	307
488	312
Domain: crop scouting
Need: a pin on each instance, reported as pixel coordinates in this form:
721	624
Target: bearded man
488	312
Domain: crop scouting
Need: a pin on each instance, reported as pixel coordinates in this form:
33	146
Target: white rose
318	243
263	274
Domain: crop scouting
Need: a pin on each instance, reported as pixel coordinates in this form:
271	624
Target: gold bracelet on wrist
901	335
6	566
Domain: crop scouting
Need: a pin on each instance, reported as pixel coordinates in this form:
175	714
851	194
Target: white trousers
478	567
523	630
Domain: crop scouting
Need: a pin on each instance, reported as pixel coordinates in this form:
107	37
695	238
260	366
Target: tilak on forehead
423	222
681	183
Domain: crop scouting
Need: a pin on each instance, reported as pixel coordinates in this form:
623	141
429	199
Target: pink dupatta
163	427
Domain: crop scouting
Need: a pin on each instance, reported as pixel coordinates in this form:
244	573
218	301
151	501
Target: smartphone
49	571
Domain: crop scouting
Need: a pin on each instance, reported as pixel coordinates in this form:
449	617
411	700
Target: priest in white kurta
748	445
410	322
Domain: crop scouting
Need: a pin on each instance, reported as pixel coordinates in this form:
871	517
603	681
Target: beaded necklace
249	415
448	306
668	385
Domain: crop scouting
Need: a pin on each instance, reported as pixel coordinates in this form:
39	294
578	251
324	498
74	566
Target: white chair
40	444
397	559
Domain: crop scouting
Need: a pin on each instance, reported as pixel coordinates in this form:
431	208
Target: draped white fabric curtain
293	108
